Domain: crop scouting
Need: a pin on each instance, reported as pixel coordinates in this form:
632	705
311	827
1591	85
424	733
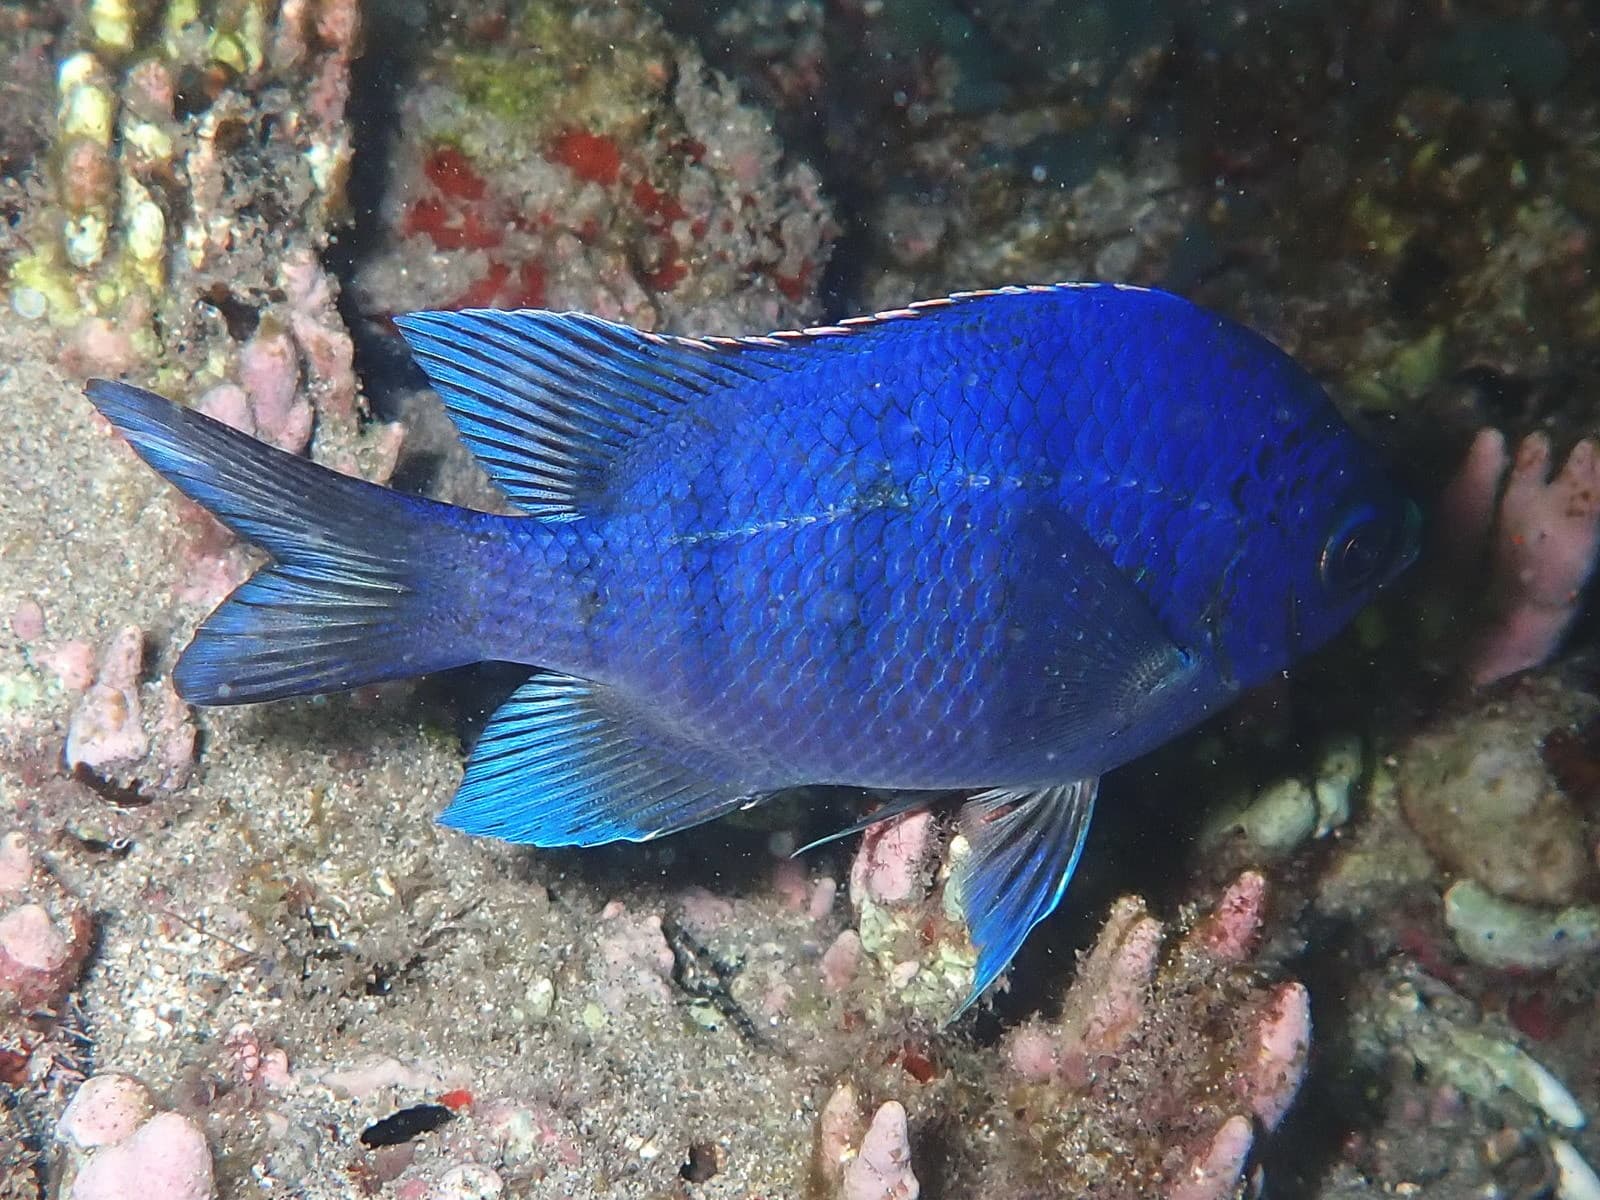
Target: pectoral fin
1024	846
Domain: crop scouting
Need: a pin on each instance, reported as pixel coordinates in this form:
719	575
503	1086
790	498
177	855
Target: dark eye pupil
1358	557
1355	557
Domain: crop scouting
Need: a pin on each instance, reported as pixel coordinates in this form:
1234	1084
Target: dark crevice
377	81
1342	1096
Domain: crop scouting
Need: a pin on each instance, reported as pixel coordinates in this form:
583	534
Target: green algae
512	88
20	691
1413	369
43	273
552	73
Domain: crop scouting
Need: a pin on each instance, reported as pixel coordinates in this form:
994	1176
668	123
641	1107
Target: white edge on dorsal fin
780	338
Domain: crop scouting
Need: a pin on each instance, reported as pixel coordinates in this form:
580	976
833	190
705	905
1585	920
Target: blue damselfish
1001	542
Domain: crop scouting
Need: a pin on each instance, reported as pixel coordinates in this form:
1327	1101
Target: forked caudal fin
365	582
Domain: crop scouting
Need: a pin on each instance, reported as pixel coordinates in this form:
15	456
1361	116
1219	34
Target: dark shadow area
933	1156
377	80
1340	1096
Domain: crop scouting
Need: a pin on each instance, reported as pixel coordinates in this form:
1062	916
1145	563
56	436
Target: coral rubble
197	173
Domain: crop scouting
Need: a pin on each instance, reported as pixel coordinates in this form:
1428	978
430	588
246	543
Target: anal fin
1024	846
566	762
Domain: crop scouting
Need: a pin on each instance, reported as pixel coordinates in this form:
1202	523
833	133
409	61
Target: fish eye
1358	553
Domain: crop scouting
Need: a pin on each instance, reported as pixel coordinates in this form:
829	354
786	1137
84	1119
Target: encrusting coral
45	939
116	1140
122	729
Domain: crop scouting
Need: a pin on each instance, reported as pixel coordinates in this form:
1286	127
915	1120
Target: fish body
1005	541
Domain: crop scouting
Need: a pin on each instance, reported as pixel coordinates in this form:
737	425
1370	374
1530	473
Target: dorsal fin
545	400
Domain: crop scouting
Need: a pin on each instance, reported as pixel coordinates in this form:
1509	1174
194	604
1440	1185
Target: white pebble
29	303
541	997
468	1182
104	1110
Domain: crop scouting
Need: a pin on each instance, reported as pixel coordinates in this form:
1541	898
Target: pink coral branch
1214	1174
882	1168
1156	1022
1464	514
1230	931
1543	550
892	859
1282	1048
